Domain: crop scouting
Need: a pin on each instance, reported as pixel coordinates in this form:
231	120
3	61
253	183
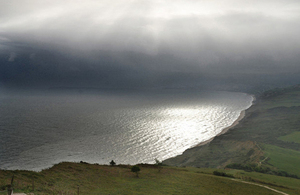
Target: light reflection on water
39	131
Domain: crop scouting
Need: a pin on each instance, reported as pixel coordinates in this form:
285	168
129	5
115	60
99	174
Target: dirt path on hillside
261	186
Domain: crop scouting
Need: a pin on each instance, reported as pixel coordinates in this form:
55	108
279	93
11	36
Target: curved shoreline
236	122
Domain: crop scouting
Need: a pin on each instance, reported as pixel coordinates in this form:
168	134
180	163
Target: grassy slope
293	137
284	159
267	132
95	179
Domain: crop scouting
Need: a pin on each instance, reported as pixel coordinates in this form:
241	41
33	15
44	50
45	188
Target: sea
40	130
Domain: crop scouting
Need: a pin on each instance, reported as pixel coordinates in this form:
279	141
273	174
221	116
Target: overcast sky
139	43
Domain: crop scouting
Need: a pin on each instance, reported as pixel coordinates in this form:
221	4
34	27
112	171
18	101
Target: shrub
260	169
136	169
223	174
112	163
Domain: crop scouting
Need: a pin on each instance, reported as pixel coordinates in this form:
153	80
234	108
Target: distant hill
266	140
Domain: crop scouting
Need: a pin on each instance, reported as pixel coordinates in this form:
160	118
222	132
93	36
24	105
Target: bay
39	130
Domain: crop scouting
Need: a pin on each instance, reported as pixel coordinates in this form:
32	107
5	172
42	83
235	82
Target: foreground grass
65	178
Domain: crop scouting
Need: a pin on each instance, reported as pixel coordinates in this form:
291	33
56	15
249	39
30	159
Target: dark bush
223	174
136	169
260	169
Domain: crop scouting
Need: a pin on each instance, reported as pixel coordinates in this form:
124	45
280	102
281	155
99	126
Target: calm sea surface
38	131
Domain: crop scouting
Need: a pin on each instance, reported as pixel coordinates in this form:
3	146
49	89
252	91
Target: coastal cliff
220	150
270	129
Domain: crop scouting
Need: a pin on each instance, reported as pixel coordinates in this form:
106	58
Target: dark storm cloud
147	43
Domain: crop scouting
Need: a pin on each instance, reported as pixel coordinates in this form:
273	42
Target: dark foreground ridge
82	178
267	140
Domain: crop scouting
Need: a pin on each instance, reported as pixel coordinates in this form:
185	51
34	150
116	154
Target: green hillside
267	139
66	178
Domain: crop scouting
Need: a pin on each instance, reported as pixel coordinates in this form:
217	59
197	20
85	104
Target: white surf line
261	186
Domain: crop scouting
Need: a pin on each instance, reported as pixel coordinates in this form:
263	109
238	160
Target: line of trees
260	169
